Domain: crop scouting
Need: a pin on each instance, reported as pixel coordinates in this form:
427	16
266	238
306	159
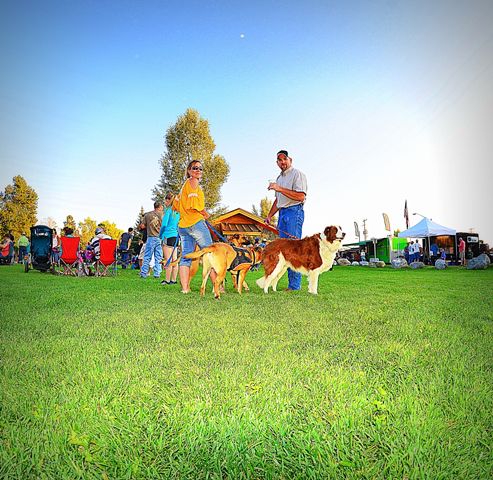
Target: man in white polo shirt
290	187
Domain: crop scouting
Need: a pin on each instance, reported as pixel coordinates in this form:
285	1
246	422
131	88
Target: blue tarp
426	228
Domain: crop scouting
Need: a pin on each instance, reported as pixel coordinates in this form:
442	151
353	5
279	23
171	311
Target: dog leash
287	234
218	235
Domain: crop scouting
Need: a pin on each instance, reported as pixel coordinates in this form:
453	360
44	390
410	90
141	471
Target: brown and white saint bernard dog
310	256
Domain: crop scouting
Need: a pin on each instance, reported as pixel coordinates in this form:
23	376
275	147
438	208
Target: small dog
310	256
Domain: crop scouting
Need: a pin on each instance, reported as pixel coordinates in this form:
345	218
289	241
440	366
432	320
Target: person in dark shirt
124	247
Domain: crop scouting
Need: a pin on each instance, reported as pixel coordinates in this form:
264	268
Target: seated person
6	249
94	243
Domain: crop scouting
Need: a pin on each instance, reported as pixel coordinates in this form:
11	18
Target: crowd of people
185	218
413	252
8	251
182	219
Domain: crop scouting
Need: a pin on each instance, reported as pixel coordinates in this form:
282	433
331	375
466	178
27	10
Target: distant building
242	224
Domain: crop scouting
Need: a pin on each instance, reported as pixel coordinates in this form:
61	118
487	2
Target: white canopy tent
425	229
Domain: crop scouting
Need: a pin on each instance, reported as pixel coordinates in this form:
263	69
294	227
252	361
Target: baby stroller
41	242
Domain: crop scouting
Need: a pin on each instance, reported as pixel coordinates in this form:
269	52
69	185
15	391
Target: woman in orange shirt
192	227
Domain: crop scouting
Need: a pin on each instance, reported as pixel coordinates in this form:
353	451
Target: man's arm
292	194
273	210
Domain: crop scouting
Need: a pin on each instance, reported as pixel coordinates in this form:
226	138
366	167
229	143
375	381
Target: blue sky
377	102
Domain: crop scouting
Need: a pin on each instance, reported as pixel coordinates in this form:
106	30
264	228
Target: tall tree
264	209
190	139
18	207
139	218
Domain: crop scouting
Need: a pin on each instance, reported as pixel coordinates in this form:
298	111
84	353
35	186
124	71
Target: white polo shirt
292	179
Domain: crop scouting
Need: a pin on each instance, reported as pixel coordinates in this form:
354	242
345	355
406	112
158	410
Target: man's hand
273	186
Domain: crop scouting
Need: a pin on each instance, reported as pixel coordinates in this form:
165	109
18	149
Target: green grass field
385	374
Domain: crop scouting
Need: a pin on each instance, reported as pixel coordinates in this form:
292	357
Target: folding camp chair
106	263
69	260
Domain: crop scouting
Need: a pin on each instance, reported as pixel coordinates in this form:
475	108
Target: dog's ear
330	233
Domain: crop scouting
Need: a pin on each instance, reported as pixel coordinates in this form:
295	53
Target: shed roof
253	224
243	228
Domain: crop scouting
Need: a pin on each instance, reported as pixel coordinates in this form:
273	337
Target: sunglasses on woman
197	168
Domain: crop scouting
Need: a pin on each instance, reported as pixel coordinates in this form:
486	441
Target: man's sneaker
164	282
172	283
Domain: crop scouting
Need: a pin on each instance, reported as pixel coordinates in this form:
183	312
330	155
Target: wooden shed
243	224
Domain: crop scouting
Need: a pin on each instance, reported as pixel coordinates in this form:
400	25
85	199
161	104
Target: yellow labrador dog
218	256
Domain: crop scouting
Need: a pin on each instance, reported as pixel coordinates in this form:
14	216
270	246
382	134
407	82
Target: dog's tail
261	282
200	253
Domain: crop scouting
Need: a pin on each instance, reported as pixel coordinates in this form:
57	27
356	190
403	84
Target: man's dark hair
130	230
157	204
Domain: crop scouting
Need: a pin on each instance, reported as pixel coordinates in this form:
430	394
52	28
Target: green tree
18	207
264	209
139	220
190	139
86	230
